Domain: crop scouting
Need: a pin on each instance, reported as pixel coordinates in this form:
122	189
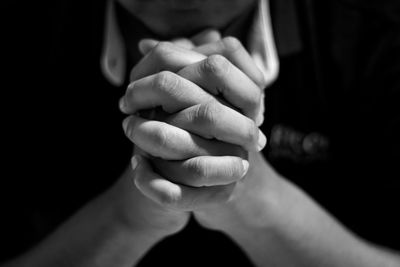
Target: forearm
95	236
300	233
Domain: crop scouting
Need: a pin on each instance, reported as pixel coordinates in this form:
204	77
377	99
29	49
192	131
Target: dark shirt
332	122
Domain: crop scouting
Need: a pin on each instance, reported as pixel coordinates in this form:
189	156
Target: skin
272	220
195	105
196	166
275	222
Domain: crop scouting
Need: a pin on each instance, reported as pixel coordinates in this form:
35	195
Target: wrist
261	204
137	213
252	205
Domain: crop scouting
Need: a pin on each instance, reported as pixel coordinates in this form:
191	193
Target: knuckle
216	64
231	44
165	82
199	171
207	114
160	136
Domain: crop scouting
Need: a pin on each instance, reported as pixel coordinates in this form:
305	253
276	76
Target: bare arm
285	227
275	222
116	229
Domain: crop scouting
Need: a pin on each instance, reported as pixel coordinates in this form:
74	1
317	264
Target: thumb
184	43
152	185
206	36
145	45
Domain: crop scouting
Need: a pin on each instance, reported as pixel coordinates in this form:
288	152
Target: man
199	153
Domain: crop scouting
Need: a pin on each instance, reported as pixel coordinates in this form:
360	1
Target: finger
165	89
164	56
145	45
175	196
214	120
183	42
219	76
233	50
206	36
203	171
162	140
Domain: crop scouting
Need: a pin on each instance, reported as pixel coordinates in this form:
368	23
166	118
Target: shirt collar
261	46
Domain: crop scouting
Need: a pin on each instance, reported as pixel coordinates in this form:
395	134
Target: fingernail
262	140
122	105
134	162
125	124
245	164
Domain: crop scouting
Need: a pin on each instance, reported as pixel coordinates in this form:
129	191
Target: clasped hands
194	109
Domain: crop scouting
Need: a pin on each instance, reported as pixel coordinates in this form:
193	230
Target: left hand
195	164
